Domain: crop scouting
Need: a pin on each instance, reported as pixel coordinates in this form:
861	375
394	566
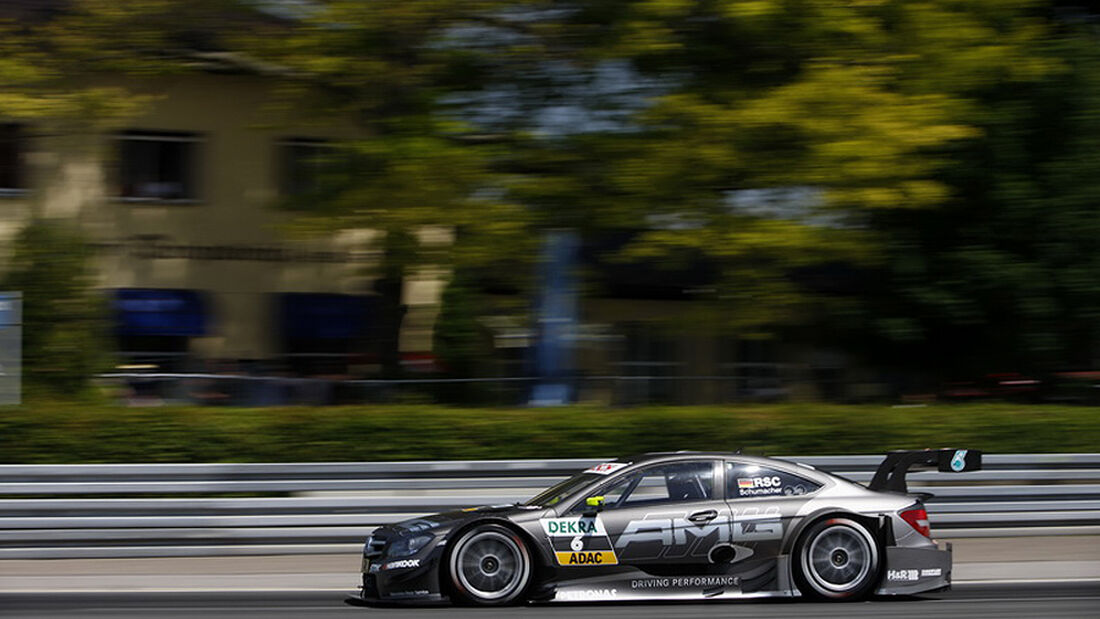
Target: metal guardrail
134	510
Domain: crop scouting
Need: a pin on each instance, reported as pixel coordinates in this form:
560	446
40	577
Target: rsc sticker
759	486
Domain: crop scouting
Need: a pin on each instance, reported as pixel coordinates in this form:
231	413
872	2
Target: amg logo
750	527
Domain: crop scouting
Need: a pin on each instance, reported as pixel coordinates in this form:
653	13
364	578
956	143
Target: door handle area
703	516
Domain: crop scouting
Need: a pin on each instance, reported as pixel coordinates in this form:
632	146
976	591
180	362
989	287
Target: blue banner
159	311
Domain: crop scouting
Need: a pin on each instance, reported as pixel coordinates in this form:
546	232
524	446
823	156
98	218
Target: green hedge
62	433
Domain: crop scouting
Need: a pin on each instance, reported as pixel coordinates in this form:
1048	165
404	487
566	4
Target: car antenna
738	452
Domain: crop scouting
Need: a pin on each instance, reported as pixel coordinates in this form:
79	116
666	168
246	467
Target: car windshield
556	493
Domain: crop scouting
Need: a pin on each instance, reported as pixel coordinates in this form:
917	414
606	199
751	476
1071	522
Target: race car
683	525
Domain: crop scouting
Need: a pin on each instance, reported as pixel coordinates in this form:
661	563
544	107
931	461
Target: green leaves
954	143
64	319
59	432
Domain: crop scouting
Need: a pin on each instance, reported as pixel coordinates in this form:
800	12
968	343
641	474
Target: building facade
193	253
202	271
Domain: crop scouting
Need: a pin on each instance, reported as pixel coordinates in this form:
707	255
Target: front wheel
490	566
837	559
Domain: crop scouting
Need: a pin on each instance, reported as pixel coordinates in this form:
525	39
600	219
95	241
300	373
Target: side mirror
594	503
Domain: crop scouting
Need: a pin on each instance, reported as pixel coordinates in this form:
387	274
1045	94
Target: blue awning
325	316
159	311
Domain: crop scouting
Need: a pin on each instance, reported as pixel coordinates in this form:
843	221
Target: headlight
406	546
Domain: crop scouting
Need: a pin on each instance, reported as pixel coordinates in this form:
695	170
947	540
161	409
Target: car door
669	514
763	501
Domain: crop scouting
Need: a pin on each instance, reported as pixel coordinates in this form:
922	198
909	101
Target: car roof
660	456
654	457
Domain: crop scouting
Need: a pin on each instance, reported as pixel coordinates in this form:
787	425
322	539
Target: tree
407	171
1005	276
769	137
64	320
62	65
404	171
788	126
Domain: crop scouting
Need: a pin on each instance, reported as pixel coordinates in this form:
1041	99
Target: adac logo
589	557
958	461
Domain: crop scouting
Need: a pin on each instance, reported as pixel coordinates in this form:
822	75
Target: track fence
150	510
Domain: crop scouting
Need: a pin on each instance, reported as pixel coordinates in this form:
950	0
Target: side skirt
639	586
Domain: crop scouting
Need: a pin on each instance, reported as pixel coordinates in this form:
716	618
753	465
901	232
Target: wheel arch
878	525
538	562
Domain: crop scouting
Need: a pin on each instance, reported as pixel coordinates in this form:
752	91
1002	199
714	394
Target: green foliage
949	147
851	102
64	320
404	171
68	433
62	67
1005	276
461	343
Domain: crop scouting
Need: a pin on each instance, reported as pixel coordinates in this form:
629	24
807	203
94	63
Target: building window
301	162
12	147
157	166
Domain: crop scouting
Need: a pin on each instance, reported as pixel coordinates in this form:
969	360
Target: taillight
918	519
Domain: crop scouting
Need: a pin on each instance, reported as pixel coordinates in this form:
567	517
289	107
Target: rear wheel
489	565
837	559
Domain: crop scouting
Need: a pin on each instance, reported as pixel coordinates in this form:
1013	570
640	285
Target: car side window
669	483
744	481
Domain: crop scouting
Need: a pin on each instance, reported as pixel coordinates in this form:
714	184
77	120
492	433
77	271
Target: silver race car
684	525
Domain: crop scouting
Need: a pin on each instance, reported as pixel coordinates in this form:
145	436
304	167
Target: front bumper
413	579
916	570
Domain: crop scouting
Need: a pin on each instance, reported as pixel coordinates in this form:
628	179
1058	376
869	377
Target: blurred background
265	202
256	255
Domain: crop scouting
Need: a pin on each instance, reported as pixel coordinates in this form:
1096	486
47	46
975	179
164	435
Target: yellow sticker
588	557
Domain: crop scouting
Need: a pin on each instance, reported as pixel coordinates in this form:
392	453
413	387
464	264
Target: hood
459	516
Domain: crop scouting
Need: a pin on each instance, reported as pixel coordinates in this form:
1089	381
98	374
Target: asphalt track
974	601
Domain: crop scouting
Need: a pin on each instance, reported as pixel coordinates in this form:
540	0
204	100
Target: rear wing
890	475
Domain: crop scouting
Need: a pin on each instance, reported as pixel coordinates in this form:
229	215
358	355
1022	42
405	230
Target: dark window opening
157	166
163	353
12	147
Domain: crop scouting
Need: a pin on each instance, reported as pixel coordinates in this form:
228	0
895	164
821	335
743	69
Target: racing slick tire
837	559
489	565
